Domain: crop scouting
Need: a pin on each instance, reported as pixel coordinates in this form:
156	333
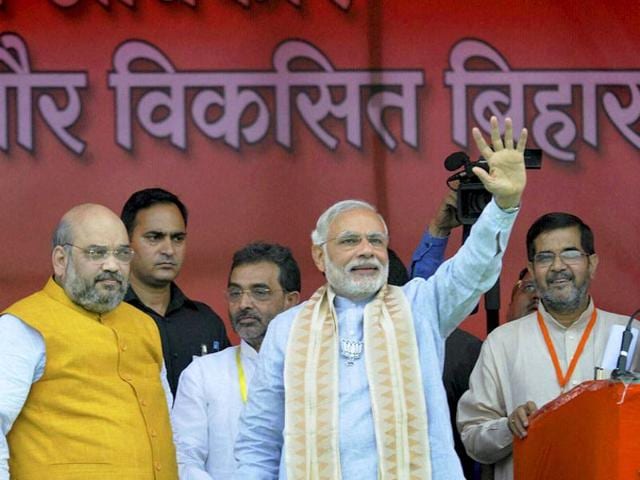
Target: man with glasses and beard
81	372
264	280
530	361
348	384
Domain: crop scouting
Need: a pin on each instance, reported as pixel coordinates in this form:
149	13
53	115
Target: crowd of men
111	372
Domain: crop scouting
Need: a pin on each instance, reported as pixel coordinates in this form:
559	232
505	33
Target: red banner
261	114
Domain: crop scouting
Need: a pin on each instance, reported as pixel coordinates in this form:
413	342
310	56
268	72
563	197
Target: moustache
247	314
109	276
555	276
365	263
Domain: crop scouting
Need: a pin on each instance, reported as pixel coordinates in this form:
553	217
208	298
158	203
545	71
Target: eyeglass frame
251	293
567	261
104	254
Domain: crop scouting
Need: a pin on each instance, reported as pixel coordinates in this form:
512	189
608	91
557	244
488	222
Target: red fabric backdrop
262	190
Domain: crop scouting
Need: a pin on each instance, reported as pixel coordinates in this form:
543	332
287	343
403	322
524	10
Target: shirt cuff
502	218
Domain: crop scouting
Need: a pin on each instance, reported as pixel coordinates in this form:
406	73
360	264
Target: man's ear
317	253
291	299
594	260
59	260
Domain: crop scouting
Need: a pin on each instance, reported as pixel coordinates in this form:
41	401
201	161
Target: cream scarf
395	384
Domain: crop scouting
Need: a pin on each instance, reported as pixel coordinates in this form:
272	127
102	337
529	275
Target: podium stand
589	433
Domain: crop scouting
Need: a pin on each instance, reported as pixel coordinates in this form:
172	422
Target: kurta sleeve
22	362
190	425
260	438
455	288
482	415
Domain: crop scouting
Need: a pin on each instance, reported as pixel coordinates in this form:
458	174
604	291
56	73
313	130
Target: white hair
63	234
319	235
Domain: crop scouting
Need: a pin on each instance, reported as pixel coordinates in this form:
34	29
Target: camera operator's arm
430	251
446	218
506	177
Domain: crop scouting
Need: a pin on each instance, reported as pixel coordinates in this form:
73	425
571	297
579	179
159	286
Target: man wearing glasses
349	384
81	372
529	362
157	224
264	280
524	296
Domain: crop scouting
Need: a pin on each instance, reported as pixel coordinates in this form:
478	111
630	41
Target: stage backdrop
260	114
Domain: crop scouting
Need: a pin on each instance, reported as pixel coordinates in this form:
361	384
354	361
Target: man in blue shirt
348	384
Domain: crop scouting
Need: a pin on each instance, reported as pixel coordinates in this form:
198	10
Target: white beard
349	285
84	292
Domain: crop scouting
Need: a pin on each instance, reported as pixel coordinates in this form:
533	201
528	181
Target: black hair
522	273
555	221
148	198
289	273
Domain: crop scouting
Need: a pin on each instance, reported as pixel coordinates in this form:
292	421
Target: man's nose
167	247
246	300
365	249
558	263
110	264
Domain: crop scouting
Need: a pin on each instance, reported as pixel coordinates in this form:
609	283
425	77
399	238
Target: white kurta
205	414
514	367
438	305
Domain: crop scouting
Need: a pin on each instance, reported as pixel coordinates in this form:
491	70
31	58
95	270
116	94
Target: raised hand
507	174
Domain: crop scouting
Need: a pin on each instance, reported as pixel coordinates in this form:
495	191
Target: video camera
472	196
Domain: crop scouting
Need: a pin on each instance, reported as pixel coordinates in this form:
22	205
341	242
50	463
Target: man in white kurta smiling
348	385
532	360
264	280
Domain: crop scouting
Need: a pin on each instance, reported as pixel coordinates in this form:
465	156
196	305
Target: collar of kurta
247	350
579	324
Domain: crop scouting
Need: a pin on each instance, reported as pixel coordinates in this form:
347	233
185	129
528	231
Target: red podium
589	433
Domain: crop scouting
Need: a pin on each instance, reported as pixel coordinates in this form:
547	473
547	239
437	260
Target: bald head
89	219
96	282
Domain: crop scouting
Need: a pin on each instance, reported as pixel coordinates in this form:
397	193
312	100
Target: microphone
456	160
627	336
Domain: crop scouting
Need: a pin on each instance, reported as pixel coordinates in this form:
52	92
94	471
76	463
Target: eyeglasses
350	240
259	294
98	254
569	257
526	287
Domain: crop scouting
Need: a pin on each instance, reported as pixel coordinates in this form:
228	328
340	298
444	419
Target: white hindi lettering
240	107
231	105
503	91
17	75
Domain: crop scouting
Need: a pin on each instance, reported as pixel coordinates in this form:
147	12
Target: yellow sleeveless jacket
99	411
